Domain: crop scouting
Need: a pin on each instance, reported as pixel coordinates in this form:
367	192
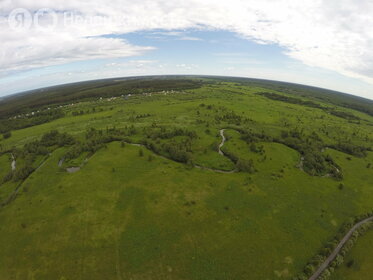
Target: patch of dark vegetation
288	99
94	140
329	96
7	135
27	155
350	263
352	149
223	114
162	132
18	122
57	95
310	146
174	143
344	115
245	165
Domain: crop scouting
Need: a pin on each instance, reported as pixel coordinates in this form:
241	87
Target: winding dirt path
336	251
223	139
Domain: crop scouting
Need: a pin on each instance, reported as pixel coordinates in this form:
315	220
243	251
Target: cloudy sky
326	43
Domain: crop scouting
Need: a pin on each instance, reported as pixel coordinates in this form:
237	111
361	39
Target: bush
7	135
23	173
245	165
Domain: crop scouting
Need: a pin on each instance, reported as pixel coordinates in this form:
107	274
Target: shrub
245	165
7	135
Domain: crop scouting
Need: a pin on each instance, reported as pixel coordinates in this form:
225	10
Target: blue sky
278	43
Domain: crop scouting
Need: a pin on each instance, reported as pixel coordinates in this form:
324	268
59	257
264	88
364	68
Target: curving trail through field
223	139
336	251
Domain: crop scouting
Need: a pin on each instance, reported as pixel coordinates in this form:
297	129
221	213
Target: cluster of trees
23	170
95	139
175	143
257	148
7	125
158	139
310	146
245	165
318	259
77	113
223	114
7	135
92	90
344	115
134	118
352	149
82	112
55	138
288	99
29	152
180	151
253	137
274	96
230	117
168	133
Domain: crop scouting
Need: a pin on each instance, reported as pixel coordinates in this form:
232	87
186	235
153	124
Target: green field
295	168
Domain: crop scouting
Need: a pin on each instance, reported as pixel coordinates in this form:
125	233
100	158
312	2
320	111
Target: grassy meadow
148	212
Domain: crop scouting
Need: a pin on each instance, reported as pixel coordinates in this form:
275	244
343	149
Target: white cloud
184	66
331	34
174	35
